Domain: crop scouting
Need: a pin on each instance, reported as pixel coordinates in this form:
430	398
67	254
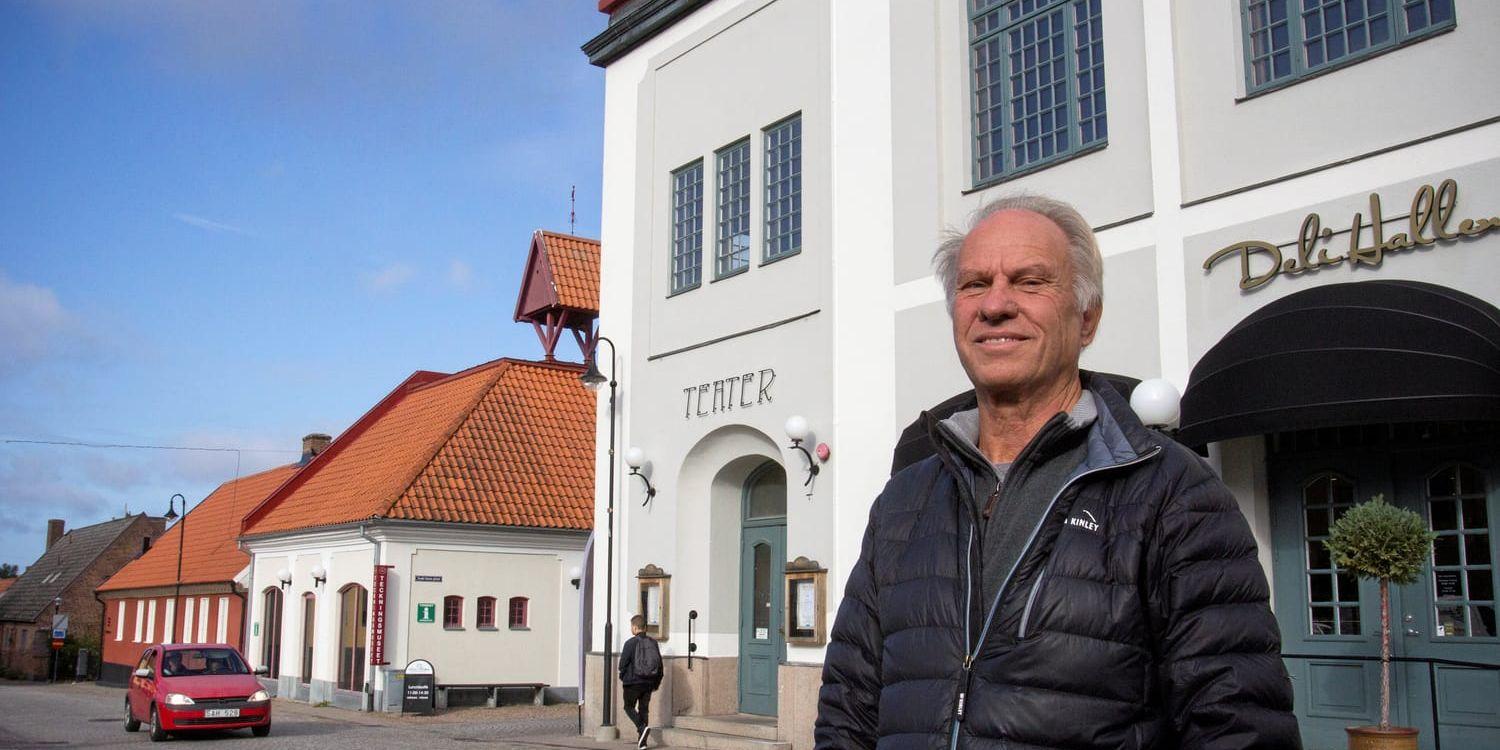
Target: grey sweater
1010	499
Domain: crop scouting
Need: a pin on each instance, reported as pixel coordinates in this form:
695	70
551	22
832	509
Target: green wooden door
1448	614
1325	613
762	568
1451	614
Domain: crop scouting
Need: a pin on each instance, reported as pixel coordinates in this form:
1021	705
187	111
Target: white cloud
209	224
33	324
460	275
389	277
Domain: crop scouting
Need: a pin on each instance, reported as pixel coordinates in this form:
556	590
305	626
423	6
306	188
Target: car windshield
192	662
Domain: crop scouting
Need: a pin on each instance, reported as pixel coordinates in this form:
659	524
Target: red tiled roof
510	442
575	269
209	552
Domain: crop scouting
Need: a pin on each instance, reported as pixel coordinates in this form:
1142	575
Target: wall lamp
797	430
285	576
575	576
635	458
1157	403
320	576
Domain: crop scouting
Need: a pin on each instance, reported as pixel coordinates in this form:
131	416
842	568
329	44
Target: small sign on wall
426	612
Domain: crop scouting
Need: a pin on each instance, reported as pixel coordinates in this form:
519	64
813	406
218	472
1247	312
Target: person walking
640	673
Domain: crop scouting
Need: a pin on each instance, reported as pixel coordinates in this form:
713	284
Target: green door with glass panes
1330	621
762	569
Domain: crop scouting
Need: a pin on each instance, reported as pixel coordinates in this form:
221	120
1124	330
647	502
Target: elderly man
1057	575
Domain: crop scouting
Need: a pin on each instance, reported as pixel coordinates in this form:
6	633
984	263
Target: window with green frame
1037	71
1287	40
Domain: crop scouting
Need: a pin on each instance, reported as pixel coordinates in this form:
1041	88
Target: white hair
1083	249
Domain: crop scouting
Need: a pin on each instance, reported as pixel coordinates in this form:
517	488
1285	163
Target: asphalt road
37	716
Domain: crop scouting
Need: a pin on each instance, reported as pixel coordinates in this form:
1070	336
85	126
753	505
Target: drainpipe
244	613
375	671
103	612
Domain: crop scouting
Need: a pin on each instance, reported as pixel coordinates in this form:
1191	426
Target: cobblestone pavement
37	716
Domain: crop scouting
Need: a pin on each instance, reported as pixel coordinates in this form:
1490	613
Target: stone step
743	725
674	737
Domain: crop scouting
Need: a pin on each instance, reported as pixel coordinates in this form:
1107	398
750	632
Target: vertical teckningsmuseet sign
377	615
727	394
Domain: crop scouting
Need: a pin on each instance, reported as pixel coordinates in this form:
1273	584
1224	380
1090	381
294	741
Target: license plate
221	713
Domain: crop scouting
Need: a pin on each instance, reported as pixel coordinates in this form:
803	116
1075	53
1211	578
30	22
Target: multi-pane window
732	253
1038	77
270	645
1463	572
1332	594
1288	39
354	633
518	611
687	227
485	612
783	169
453	611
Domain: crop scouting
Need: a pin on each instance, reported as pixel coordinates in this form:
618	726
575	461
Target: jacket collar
1116	435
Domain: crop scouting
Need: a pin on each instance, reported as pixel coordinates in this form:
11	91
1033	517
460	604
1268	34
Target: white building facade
777	174
317	635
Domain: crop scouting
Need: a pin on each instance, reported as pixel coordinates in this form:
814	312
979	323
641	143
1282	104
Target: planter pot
1375	738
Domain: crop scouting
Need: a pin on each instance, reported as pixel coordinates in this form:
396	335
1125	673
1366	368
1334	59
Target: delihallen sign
377	616
1429	222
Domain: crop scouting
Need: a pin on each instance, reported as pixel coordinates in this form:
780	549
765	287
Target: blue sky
231	224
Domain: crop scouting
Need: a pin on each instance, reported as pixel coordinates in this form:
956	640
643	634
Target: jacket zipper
1025	551
1036	588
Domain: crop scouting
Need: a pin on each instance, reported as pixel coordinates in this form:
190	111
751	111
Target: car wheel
157	733
131	723
261	731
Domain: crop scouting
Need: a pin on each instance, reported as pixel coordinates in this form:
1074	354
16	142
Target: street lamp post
181	532
56	654
593	379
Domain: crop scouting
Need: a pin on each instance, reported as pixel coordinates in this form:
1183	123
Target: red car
180	687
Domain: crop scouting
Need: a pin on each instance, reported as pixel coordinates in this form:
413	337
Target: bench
538	691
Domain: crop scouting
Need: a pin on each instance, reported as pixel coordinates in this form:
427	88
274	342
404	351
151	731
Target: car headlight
178	699
259	696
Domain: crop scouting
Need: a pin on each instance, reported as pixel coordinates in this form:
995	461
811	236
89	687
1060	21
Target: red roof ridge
565	235
397	394
500	365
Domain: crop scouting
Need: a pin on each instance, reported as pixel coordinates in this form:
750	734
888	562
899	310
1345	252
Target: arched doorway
762	563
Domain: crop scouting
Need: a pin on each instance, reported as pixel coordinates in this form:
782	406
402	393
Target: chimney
314	444
54	531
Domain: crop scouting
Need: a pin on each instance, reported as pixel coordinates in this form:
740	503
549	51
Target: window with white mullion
1037	71
732	253
1286	40
783	190
687	227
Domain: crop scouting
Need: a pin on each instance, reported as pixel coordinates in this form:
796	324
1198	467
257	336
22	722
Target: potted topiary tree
1389	544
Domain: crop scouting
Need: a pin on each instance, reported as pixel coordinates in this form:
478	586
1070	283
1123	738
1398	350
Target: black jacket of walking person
628	676
1131	613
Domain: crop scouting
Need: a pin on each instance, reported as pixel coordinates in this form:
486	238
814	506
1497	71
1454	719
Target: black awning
1348	354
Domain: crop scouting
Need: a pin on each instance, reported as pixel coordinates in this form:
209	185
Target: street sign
418	688
426	612
59	624
57	644
59	633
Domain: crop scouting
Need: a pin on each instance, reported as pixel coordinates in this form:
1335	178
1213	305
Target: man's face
1016	322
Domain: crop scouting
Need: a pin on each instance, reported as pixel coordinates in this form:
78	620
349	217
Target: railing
1437	728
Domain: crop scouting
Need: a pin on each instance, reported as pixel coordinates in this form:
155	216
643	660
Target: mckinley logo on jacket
1089	523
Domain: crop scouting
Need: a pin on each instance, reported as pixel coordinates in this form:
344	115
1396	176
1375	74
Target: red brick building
62	581
146	603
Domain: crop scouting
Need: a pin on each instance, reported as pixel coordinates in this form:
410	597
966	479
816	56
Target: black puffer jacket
1137	617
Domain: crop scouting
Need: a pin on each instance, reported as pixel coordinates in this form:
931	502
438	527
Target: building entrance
762	565
1450	475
